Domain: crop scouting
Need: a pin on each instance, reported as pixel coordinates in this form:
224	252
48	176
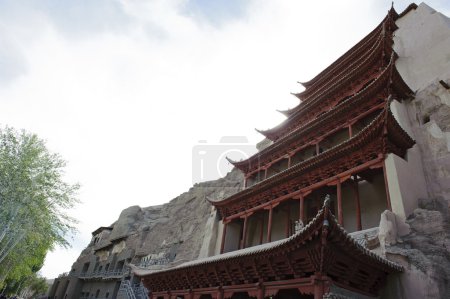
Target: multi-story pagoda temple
280	237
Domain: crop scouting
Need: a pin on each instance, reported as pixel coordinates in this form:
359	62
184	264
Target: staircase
126	291
140	291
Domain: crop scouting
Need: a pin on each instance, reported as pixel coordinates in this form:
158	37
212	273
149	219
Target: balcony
154	262
113	274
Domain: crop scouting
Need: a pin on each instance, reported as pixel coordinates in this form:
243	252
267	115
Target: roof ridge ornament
230	161
326	208
326	202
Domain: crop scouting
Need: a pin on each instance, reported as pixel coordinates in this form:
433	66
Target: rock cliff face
424	252
422	243
181	230
431	108
184	223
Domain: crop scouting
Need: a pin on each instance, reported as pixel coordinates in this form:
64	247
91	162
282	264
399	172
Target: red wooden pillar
388	198
265	172
357	203
220	294
317	148
339	202
288	221
269	226
319	289
302	208
261	230
260	294
224	233
350	131
244	232
245	181
289	161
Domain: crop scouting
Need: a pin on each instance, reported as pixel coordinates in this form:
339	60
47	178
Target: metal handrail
103	274
152	262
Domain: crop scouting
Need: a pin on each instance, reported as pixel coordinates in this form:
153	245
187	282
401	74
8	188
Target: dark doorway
116	289
240	295
292	294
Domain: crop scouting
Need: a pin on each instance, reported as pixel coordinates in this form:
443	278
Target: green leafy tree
34	199
31	286
37	286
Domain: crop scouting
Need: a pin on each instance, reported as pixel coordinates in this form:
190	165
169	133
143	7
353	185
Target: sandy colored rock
424	253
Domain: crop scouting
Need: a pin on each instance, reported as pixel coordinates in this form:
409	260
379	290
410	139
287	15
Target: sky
143	98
